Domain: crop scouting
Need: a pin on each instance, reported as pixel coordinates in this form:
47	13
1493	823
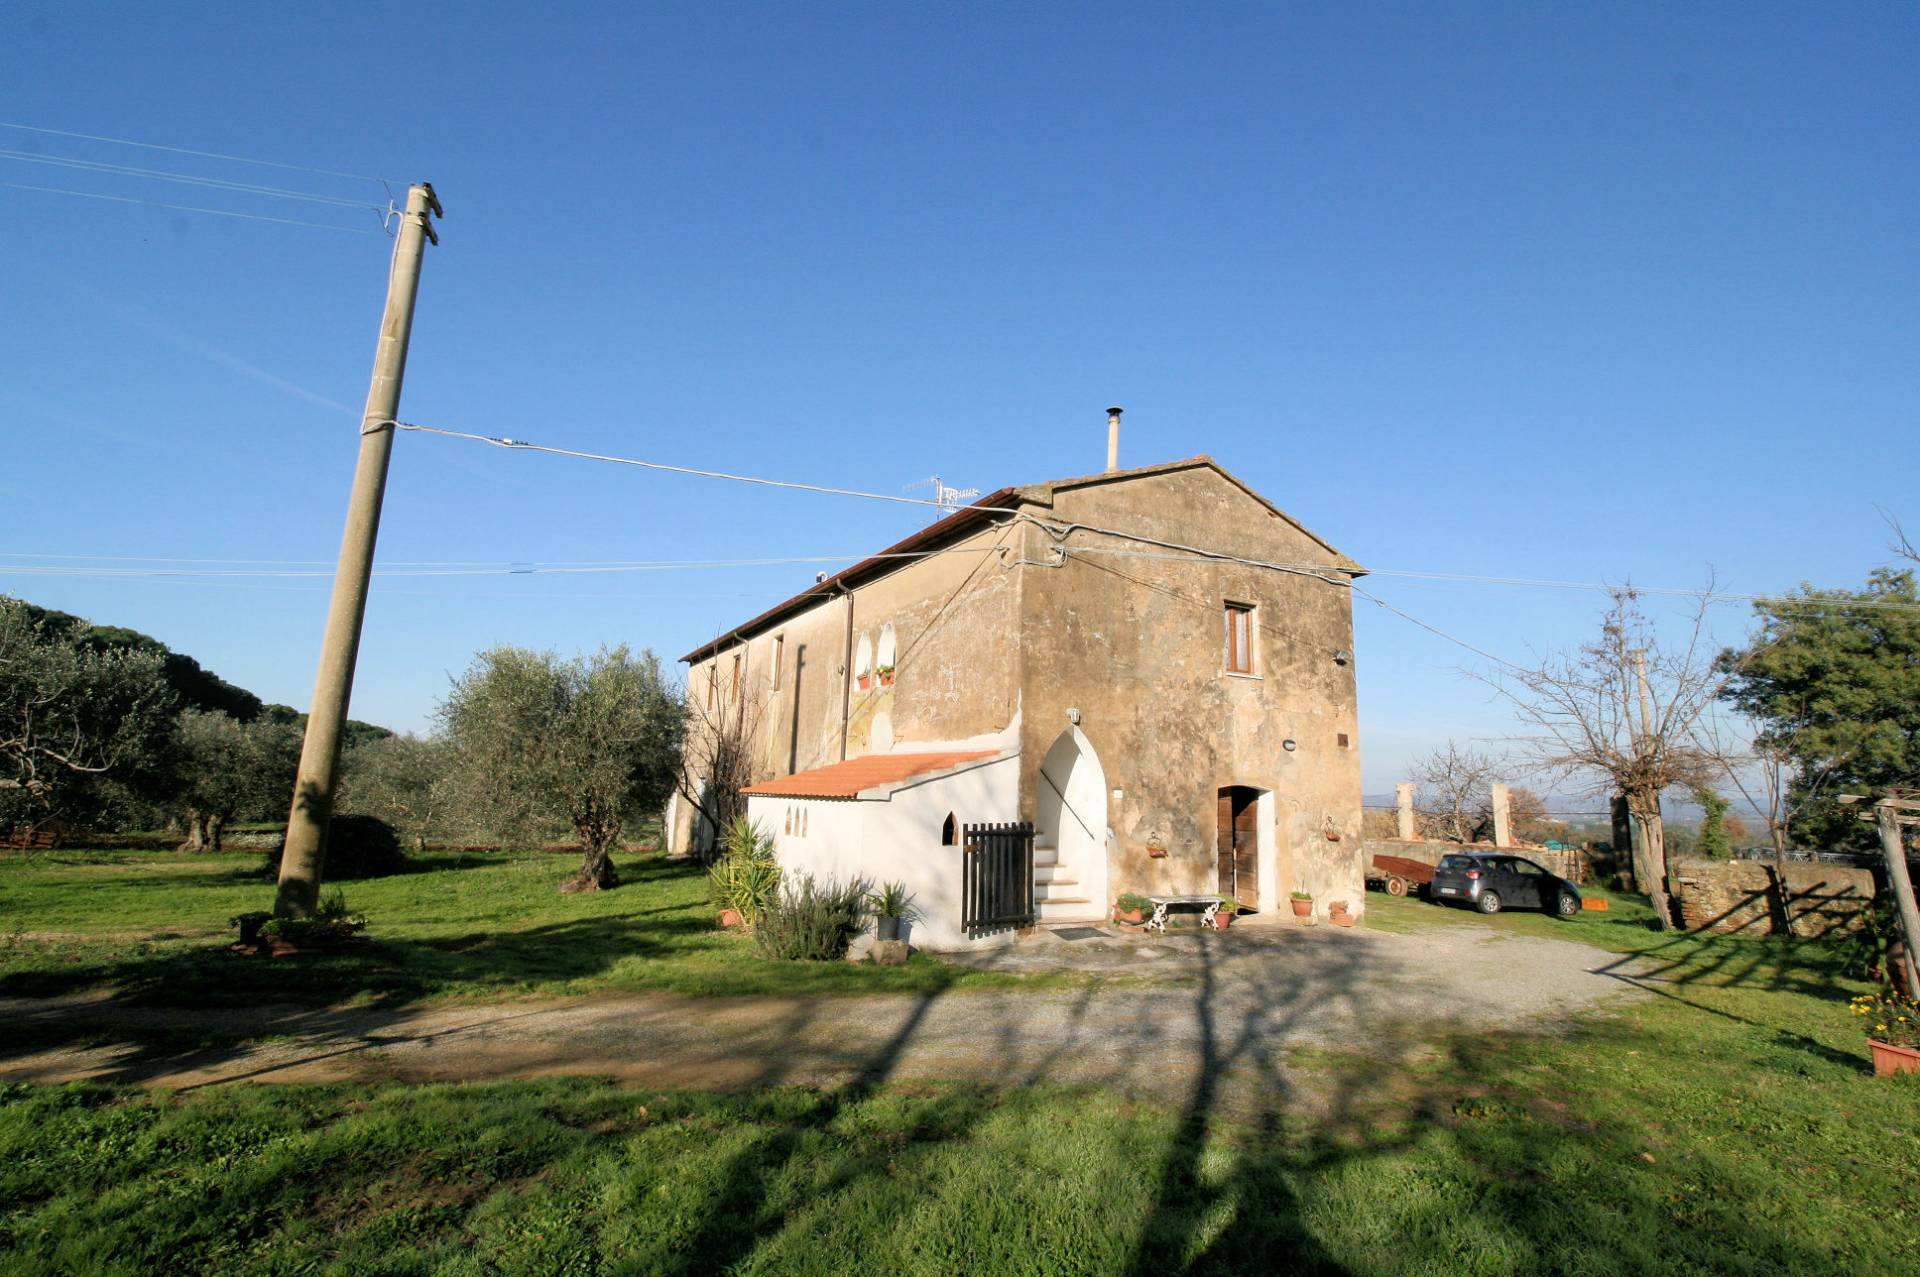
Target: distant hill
196	686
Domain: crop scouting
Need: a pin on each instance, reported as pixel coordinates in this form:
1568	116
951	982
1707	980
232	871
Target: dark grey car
1492	881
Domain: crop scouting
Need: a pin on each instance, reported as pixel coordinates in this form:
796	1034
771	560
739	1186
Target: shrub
893	900
333	924
357	847
1131	901
813	919
746	876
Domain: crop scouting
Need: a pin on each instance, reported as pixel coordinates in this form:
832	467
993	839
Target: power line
522	445
182	150
476	570
188	208
163	175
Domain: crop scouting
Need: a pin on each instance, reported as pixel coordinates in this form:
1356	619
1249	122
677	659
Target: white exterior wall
895	837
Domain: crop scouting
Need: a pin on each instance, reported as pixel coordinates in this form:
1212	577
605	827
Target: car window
1524	867
1456	863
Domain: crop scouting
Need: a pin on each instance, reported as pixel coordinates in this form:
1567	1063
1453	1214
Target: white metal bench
1208	906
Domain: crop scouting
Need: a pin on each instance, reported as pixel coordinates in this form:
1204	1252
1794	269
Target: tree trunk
596	869
1779	832
1651	857
215	823
196	832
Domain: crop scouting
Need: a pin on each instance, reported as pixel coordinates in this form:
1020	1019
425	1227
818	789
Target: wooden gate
996	884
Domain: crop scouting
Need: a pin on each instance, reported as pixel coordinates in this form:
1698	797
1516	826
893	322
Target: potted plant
892	905
886	675
1130	911
1156	847
1892	1026
1302	904
1337	914
864	681
1224	915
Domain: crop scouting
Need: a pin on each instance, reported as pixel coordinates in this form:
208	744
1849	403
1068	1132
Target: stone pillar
1404	794
1502	816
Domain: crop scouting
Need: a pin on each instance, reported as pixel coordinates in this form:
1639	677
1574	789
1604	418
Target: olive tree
74	718
404	780
226	768
587	743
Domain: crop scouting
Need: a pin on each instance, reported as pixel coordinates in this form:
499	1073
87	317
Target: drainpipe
1113	440
846	676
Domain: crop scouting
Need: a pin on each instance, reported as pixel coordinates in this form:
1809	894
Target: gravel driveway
1155	1016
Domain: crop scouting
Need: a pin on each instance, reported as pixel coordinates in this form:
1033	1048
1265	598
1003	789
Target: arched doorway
1070	831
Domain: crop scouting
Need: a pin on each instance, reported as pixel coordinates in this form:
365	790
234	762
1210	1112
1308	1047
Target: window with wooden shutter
1238	650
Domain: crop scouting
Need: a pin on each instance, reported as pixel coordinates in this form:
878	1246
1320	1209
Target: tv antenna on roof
948	499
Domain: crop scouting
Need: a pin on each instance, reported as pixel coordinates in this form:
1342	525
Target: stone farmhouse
1154	666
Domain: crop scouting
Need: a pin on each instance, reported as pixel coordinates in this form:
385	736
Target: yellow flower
1879	1028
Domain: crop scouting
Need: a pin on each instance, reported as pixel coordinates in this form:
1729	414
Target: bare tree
1622	713
1901	545
1460	783
716	761
1776	785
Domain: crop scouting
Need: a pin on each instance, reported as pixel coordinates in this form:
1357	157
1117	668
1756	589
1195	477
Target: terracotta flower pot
1129	915
1341	919
730	918
1889	1059
1302	908
1156	852
864	681
1222	920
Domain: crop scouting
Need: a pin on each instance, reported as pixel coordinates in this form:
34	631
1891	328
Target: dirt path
1226	1008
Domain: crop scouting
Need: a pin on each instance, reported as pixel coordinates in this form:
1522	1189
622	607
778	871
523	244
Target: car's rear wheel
1568	905
1396	886
1489	902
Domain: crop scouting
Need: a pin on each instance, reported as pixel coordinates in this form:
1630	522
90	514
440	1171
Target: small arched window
950	832
863	663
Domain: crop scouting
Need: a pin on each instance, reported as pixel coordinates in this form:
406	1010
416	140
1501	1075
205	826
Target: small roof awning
858	775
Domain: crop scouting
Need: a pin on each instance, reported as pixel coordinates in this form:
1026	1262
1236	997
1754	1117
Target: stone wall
1737	896
1575	866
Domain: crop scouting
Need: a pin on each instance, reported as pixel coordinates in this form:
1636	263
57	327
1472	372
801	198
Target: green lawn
1740	1137
153	925
1724	1124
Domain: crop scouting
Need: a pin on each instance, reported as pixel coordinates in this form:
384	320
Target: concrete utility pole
1502	799
304	859
1650	823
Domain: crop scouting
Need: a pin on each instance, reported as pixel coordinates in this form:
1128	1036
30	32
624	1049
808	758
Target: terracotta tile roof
856	775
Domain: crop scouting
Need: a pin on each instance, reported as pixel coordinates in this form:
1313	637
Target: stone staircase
1057	894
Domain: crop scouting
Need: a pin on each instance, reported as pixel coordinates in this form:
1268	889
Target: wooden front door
1239	845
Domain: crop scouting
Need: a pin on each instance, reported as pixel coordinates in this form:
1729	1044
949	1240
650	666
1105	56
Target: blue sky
1581	293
